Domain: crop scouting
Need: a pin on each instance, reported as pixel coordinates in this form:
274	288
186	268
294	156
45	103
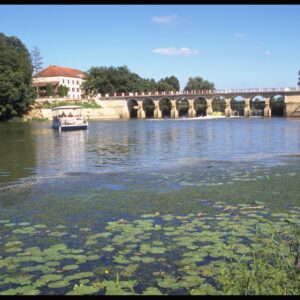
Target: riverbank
91	110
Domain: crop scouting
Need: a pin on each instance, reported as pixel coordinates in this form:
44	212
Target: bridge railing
203	92
257	90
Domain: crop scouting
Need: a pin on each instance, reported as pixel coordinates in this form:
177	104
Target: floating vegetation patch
157	254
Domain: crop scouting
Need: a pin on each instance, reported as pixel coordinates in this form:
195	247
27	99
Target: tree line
122	80
18	65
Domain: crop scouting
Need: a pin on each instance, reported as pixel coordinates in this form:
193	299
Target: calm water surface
124	169
34	150
137	156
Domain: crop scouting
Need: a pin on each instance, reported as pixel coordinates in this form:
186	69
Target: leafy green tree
115	80
49	90
198	83
163	86
168	84
149	85
16	91
62	90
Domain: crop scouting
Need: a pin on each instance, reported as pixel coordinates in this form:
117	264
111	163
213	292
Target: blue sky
234	46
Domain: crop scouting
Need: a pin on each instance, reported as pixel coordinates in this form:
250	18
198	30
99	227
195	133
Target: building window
68	81
77	82
63	81
72	81
73	89
78	90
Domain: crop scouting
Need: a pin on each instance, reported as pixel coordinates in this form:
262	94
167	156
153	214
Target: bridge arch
148	107
277	106
218	104
133	107
200	106
257	106
165	107
182	106
237	105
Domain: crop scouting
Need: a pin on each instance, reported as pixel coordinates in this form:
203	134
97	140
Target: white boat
68	117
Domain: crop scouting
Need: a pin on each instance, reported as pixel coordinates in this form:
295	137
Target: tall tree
16	92
37	60
115	80
168	84
198	83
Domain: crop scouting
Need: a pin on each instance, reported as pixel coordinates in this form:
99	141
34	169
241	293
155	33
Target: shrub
272	269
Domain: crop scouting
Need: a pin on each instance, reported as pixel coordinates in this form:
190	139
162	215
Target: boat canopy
67	107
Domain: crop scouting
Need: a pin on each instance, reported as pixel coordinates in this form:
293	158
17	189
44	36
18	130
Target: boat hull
71	127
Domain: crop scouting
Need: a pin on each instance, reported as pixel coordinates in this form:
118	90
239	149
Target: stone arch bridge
266	102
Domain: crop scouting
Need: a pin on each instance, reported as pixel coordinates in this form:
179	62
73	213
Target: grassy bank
85	104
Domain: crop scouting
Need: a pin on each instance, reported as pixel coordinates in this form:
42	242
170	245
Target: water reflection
60	153
35	150
17	151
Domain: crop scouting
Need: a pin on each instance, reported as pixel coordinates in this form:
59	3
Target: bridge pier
174	110
227	108
209	110
191	111
267	109
141	113
157	112
247	107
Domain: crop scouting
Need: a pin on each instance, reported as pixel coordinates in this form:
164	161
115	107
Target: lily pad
152	291
79	275
168	282
108	248
83	290
58	284
147	259
120	259
26	290
70	267
190	281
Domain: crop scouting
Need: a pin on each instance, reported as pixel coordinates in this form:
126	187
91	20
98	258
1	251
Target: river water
138	157
126	168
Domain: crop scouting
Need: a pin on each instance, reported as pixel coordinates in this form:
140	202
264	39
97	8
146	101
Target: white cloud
176	51
164	19
267	52
239	35
261	51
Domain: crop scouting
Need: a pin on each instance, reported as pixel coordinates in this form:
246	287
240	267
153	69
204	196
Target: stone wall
89	113
119	107
292	106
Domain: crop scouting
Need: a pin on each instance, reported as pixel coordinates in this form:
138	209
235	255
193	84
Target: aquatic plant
273	267
234	249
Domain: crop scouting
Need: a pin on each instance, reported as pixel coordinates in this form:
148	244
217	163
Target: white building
56	76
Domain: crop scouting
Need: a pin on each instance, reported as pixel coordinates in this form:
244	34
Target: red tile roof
60	71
